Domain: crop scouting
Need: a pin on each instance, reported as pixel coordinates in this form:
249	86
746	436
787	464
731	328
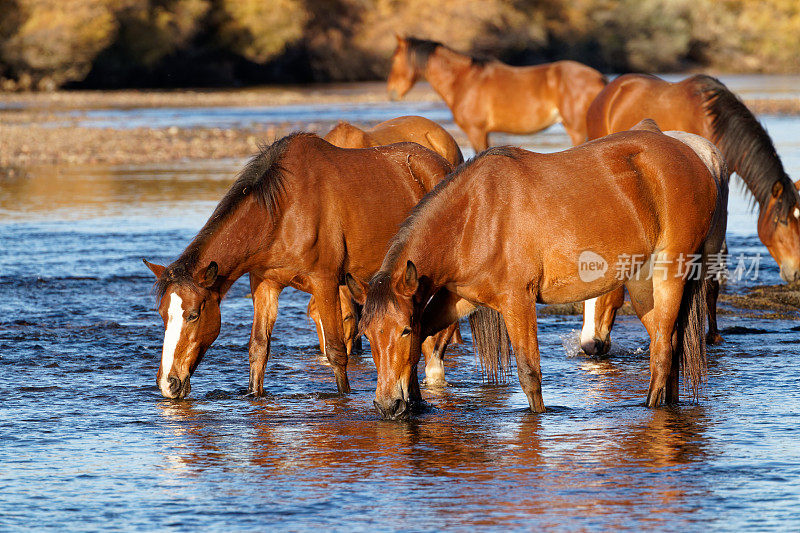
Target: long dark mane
747	147
420	50
263	178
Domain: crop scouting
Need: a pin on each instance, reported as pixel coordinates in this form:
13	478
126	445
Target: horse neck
235	244
433	243
443	71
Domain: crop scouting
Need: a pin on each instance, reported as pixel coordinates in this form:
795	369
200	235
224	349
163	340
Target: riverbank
48	129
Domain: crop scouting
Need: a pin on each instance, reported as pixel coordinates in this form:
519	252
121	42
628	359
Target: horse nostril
174	385
399	408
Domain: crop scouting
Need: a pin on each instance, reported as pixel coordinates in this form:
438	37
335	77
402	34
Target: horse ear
777	189
358	290
209	276
399	38
158	270
410	279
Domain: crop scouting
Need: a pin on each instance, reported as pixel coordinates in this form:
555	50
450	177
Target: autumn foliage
46	44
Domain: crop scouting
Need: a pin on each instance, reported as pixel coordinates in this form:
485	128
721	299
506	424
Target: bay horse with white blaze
704	106
487	95
507	230
301	214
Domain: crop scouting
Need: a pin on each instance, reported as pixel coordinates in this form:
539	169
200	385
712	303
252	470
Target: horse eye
406	332
192	316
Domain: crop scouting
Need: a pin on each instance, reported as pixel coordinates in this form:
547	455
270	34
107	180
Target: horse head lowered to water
508	230
301	214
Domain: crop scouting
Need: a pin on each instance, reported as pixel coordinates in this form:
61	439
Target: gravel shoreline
36	129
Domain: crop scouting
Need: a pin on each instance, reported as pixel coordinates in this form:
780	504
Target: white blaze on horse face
587	333
171	336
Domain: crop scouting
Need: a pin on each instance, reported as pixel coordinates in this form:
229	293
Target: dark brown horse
401	129
487	95
508	230
704	106
302	213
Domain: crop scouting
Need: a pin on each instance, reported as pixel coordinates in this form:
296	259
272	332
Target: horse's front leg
434	348
713	336
330	313
520	318
265	303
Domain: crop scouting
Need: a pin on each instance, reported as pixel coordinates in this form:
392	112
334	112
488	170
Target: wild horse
704	106
486	95
510	229
302	213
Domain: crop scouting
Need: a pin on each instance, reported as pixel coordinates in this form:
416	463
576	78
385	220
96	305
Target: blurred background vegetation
47	44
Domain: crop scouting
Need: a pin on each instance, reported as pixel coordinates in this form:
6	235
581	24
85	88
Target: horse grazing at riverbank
704	106
401	129
510	229
301	214
486	95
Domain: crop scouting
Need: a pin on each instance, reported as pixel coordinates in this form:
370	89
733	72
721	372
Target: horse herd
396	238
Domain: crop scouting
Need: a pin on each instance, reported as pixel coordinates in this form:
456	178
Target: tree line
47	44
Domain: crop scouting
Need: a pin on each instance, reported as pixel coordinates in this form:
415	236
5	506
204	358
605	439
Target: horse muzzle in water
176	389
393	409
596	346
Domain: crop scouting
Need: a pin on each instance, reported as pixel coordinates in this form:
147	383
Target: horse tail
691	345
492	344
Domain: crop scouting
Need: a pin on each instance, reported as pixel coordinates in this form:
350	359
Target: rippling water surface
87	442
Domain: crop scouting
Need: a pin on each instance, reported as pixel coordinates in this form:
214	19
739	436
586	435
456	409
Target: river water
87	442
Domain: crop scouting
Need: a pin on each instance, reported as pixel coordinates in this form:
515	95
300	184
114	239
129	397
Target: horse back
343	205
631	98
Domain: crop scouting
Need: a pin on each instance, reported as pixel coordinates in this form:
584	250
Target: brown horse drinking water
508	230
487	95
301	214
704	106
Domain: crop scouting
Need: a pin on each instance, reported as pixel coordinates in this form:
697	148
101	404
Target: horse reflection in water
569	465
295	217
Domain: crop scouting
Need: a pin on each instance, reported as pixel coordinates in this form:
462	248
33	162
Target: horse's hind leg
713	336
657	303
265	304
520	318
434	348
330	312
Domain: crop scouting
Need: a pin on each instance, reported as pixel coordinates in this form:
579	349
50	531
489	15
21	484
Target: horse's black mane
379	292
420	50
746	146
262	177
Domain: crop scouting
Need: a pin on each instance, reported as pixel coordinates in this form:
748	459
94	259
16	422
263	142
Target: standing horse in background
301	214
411	128
508	230
704	106
487	95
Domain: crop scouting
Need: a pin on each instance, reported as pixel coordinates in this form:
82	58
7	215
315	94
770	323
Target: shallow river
87	442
